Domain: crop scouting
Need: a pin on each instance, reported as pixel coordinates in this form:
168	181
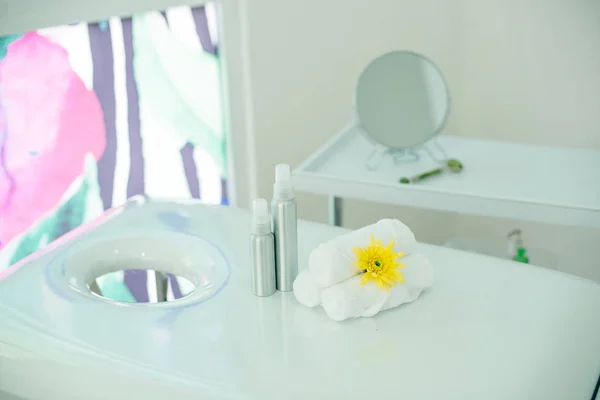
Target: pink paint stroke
50	120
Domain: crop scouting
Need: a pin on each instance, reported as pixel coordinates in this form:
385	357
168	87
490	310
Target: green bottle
521	256
516	249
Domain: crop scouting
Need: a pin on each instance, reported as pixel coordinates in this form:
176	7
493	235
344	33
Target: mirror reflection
141	286
402	100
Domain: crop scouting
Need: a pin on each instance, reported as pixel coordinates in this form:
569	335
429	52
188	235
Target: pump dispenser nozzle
261	222
283	188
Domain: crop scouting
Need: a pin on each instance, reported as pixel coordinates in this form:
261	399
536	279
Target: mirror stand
407	155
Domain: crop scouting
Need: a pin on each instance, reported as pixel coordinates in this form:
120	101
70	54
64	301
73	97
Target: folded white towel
333	261
306	290
349	299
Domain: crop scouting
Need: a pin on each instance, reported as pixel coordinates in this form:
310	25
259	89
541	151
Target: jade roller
452	165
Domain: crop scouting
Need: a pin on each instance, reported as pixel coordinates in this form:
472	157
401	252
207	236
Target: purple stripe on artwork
224	194
175	287
191	170
135	182
137	282
199	14
102	59
164	14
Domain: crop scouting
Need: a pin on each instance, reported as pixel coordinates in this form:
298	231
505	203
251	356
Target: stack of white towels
332	279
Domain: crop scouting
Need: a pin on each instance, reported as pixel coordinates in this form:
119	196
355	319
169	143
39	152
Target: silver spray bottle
262	250
283	210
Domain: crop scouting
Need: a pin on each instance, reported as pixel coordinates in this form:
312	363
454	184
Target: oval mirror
141	286
402	100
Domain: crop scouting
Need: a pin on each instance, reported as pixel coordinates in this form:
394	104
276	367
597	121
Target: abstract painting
94	113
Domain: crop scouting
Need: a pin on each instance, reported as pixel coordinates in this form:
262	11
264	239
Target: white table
488	329
500	179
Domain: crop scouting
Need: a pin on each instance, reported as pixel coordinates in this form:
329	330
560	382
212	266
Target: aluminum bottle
285	229
262	251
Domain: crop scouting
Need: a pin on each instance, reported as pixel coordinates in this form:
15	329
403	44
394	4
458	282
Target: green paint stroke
115	289
4	42
79	205
179	84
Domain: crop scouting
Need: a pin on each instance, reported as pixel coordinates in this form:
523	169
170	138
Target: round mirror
402	100
141	286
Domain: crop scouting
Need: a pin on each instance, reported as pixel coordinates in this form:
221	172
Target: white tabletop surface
487	329
500	179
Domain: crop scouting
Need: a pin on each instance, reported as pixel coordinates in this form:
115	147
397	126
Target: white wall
518	70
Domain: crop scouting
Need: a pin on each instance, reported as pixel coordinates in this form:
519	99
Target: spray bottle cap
283	188
261	223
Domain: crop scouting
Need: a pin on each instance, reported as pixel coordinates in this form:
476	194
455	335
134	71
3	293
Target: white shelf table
500	179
